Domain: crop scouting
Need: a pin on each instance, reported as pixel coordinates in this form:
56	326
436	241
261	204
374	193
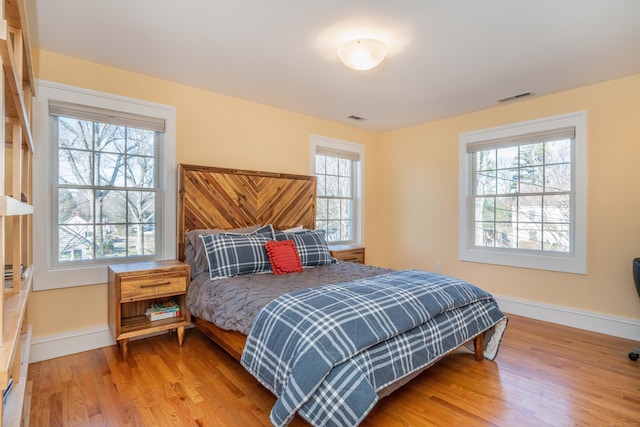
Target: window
523	194
338	166
104	184
106	189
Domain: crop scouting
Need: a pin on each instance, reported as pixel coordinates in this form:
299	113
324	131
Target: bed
297	333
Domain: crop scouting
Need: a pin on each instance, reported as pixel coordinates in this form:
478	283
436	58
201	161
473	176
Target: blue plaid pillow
312	246
231	254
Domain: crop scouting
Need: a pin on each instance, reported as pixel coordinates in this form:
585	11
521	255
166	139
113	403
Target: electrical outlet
437	266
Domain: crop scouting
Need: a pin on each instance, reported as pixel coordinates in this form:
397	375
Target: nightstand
347	253
134	287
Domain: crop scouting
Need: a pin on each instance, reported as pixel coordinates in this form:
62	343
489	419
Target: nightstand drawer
348	253
150	285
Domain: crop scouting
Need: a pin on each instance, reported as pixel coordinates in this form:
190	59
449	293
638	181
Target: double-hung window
107	190
104	184
523	194
338	167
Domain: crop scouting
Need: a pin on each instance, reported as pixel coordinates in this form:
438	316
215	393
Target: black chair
635	354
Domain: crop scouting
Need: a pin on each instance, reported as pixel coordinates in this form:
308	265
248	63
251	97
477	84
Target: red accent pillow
284	256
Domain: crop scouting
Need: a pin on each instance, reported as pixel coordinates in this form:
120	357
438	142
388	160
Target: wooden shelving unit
17	89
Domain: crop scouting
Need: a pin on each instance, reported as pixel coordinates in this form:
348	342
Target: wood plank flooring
544	375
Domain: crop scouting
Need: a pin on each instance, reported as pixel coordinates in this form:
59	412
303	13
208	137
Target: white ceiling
447	57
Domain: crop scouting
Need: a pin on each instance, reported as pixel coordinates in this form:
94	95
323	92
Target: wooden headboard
210	197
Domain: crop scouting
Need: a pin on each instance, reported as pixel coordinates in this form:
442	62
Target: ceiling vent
515	97
358	118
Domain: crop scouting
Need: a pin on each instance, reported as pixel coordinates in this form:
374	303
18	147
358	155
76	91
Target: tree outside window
106	190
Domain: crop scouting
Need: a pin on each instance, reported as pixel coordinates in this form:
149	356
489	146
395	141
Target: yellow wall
412	173
212	129
420	195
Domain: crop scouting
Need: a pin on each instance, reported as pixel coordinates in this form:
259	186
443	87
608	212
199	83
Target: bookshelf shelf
12	207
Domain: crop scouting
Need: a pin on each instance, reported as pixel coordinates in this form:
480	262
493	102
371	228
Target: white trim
339	145
52	346
49	347
45	275
572	263
622	327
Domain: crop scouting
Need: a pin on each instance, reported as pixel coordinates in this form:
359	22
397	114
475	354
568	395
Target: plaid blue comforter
326	351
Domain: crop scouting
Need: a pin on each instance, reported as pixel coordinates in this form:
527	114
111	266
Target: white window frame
322	142
48	275
573	262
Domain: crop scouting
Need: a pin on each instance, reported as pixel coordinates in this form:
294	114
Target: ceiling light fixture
362	54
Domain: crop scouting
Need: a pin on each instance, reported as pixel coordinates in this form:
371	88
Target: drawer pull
153	285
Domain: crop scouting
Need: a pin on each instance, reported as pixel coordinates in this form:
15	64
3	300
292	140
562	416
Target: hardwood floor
544	375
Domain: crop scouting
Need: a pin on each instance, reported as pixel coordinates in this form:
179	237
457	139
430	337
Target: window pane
556	237
332	166
75	242
507	181
530	209
321	165
557	151
322	185
333	231
334	209
531	180
74	167
109	138
485	160
141	206
484	233
557	209
141	142
506	208
345	187
345	167
486	182
110	207
531	155
529	236
346	230
346	207
105	241
557	177
148	239
140	172
485	209
507	157
322	210
110	169
75	206
73	133
504	235
332	186
321	225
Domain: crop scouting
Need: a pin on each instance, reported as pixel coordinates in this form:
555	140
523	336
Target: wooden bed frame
218	198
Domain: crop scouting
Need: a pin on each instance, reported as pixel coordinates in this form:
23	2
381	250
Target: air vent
358	118
515	97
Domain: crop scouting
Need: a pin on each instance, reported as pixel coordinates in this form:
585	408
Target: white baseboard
52	346
595	322
49	347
